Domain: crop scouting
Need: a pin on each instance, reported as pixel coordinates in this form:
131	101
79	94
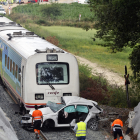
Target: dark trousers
81	138
37	124
117	132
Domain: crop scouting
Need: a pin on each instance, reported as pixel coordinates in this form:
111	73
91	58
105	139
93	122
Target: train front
48	77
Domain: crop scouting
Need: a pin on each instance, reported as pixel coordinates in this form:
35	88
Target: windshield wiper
52	87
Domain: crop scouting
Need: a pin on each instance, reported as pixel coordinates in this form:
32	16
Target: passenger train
34	70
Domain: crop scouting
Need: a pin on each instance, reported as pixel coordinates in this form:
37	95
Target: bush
117	97
51	11
134	91
53	40
41	21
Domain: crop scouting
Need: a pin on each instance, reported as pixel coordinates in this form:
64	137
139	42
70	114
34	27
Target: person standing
116	128
37	117
80	129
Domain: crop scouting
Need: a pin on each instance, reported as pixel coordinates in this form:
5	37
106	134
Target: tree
118	23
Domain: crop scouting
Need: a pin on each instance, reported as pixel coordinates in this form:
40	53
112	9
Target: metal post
126	84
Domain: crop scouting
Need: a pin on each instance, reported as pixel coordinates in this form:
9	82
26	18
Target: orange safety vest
37	115
117	124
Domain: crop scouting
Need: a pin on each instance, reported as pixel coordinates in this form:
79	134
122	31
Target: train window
8	64
16	71
5	60
1	55
19	74
13	68
52	73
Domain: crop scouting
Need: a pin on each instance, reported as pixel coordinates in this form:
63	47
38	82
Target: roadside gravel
9	107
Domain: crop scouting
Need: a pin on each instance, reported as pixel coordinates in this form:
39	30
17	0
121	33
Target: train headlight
39	96
67	94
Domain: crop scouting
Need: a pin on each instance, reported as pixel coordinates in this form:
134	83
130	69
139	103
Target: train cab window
16	71
5	60
19	76
13	68
8	64
52	73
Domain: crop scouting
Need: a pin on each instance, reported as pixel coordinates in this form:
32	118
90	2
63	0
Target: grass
79	42
67	11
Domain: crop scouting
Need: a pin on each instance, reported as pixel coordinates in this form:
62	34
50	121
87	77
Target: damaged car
67	113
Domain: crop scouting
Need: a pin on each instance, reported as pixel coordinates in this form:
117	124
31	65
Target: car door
66	115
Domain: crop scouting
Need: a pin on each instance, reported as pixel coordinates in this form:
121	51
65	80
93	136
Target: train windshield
52	73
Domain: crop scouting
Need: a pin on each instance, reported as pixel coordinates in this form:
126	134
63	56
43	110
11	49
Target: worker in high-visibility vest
80	129
116	128
37	116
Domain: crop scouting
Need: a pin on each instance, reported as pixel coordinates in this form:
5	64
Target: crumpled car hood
76	99
45	110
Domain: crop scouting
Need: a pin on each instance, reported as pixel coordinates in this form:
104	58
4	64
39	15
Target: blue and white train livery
34	70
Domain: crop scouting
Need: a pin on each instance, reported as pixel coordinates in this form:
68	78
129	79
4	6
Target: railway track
64	133
43	136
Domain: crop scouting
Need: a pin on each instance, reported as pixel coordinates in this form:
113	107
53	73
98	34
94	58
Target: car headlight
39	96
26	117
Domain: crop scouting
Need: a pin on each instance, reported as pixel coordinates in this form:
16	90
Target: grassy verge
98	89
56	11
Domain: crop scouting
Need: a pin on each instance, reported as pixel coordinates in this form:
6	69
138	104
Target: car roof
77	100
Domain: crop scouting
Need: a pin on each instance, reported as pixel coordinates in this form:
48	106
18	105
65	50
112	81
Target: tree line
118	24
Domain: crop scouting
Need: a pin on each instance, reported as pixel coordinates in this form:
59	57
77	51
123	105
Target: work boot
37	137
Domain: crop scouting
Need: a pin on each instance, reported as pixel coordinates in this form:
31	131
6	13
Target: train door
22	86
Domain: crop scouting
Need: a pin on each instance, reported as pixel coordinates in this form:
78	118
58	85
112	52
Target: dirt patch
112	77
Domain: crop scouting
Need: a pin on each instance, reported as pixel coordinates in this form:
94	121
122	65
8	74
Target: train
34	70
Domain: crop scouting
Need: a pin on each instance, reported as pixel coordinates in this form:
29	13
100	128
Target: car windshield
2	10
54	107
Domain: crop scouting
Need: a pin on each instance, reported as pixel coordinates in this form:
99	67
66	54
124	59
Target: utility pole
126	76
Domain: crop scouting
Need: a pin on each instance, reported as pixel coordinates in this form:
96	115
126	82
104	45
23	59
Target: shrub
41	21
53	40
52	10
117	97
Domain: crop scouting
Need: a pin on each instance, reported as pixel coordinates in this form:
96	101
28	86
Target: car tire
93	124
48	124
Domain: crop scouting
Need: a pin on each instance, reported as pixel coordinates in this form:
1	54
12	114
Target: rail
43	136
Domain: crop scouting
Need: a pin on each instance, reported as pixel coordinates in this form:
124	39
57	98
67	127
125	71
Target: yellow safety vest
81	131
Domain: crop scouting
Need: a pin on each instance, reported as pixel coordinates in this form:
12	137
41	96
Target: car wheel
93	124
